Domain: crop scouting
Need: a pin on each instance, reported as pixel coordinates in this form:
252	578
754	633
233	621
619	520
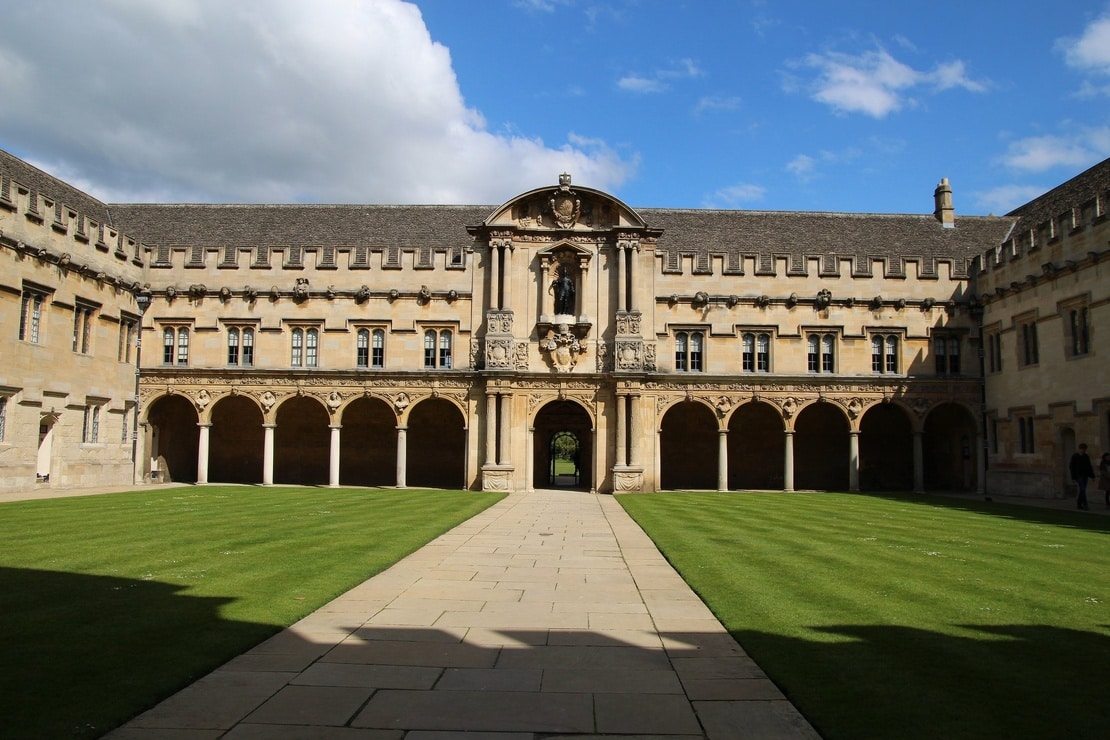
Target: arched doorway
236	441
755	448
562	429
368	444
436	445
301	442
175	439
885	449
949	449
688	447
821	448
565	453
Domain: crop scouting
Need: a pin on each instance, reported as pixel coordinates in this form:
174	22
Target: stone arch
553	417
368	443
236	440
688	440
301	441
756	441
436	444
886	448
949	448
174	438
821	447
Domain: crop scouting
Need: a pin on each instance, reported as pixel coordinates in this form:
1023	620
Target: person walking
1081	471
1104	476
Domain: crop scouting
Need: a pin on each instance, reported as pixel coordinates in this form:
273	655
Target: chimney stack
944	211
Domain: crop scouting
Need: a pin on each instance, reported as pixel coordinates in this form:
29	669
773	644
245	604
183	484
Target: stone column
402	455
622	299
494	277
530	462
633	457
507	294
853	460
333	455
202	454
491	428
622	441
585	294
268	454
503	452
788	463
658	460
630	254
918	462
722	459
980	466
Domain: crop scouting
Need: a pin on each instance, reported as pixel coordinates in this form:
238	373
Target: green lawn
111	603
920	617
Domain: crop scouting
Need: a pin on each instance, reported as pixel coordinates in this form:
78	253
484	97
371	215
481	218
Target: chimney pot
943	209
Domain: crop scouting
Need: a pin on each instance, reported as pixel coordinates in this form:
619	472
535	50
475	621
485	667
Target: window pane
233	347
182	346
445	349
429	349
167	347
310	347
764	353
248	347
695	351
379	348
297	347
362	348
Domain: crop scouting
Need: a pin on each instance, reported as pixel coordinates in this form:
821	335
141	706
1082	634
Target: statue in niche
563	287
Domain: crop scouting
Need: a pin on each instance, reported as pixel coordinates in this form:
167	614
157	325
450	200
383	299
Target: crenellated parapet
297	257
1049	240
43	226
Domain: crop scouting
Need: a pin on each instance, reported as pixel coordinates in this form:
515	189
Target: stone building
561	338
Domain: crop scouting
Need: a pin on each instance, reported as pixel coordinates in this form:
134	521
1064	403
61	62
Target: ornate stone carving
564	204
267	399
603	361
723	406
649	356
628	323
300	289
628	480
203	399
333	401
401	402
629	354
824	298
500	353
562	348
520	362
499	321
497	479
789	406
855	406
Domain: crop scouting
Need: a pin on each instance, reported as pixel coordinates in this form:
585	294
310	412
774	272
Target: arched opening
436	445
368	444
885	449
301	442
949	449
755	448
175	439
821	448
688	447
561	430
565	457
236	441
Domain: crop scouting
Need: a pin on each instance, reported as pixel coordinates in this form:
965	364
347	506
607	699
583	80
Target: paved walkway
549	615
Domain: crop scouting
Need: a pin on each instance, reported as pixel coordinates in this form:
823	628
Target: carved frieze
499	321
500	353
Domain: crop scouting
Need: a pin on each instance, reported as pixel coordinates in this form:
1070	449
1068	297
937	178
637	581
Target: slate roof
1081	189
685	231
45	184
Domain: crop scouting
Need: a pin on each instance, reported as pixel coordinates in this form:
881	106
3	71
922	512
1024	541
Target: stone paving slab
549	615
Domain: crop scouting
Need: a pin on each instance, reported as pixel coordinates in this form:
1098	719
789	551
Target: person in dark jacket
1081	471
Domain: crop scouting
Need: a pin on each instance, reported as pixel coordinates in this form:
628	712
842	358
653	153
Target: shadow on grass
1018	512
84	653
1025	681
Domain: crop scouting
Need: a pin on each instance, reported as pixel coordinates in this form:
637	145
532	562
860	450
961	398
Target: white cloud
1091	51
735	195
717	102
656	82
263	101
1005	198
802	166
875	83
1040	153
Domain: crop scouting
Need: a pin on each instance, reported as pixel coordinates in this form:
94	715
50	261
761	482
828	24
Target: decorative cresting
565	205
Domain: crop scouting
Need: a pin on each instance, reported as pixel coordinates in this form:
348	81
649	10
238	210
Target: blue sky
761	105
